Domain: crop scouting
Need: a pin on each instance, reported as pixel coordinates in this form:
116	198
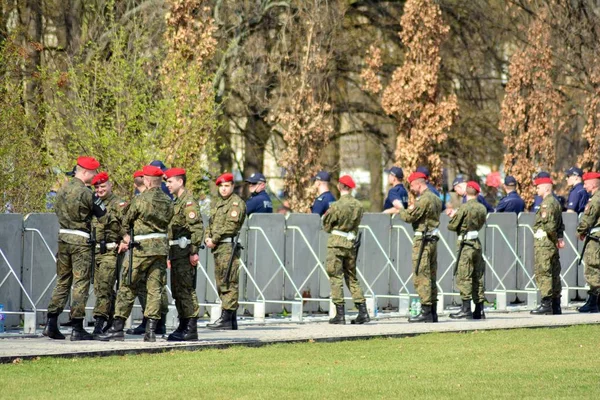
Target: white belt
595	230
150	236
226	240
434	232
75	232
540	234
109	246
471	235
182	242
348	235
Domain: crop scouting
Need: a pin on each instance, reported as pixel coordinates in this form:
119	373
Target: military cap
348	181
458	180
541	178
591	175
424	170
416	175
474	185
574	171
138	174
226	177
88	163
100	178
171	172
322	176
150	170
159	164
255	178
510	181
395	171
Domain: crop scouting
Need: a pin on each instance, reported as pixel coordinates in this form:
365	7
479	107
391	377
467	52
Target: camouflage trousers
341	265
105	277
149	269
547	268
592	266
425	281
469	274
229	295
182	287
72	269
142	294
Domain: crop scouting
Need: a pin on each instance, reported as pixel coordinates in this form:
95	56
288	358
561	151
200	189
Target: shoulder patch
544	214
545	206
122	204
235	203
234	213
192	215
189	203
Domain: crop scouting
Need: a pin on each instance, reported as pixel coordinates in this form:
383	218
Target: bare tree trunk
375	162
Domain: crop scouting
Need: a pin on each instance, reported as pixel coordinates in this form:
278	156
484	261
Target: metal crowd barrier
283	267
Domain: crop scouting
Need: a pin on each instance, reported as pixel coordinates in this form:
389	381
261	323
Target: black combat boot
339	318
99	327
556	306
363	314
424	316
78	333
150	335
51	330
161	325
116	331
177	334
545	308
434	314
234	326
140	329
465	311
591	305
191	331
224	322
479	313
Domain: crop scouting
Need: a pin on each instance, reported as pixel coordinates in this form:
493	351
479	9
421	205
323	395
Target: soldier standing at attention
467	221
185	238
149	215
548	233
259	201
226	219
424	216
512	202
589	229
325	198
75	205
108	237
397	192
341	221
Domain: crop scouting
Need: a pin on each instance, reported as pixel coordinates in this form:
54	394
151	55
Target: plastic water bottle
2	317
413	308
418	307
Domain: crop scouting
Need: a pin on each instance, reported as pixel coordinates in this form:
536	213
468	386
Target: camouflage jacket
591	216
186	222
150	212
73	207
343	215
424	215
470	216
548	218
226	218
110	232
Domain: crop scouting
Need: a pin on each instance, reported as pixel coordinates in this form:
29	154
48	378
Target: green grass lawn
534	363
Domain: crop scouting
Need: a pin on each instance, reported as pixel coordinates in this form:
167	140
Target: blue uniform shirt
259	203
322	203
398	192
578	198
512	202
481	200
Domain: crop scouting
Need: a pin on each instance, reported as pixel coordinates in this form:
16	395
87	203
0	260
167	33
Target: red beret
138	174
150	170
416	175
100	178
226	177
171	172
540	181
88	163
591	175
348	181
474	185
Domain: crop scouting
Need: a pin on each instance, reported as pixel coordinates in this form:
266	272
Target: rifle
234	247
132	244
588	237
194	283
92	242
357	242
119	266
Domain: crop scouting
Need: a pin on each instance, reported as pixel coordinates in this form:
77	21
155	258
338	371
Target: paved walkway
255	335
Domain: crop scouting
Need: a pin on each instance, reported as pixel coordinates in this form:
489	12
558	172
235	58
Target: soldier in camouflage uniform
149	214
548	231
341	220
424	216
589	229
108	237
186	235
75	205
226	219
467	221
